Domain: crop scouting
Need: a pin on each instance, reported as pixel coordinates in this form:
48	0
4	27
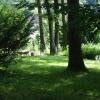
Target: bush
14	29
90	51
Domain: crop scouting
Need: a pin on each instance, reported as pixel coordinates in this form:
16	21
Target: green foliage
64	52
90	23
14	32
90	51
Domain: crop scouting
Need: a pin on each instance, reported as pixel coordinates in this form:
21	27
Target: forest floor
46	78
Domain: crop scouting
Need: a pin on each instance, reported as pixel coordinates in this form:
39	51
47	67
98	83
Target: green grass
46	78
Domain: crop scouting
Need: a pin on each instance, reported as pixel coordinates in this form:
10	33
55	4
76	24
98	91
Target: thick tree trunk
42	43
51	34
56	8
75	62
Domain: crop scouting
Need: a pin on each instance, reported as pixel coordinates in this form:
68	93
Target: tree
90	15
56	11
42	43
64	40
14	32
75	62
50	22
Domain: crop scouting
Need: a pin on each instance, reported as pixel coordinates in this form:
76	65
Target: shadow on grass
46	82
50	86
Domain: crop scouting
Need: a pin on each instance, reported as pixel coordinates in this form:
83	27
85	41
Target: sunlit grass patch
95	64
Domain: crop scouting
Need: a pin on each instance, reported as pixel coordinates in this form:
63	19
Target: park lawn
46	78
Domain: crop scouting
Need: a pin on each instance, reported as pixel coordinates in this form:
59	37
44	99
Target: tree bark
51	34
64	40
75	62
56	8
42	42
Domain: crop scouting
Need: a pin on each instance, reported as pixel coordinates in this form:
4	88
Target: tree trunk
64	40
51	34
56	8
75	62
42	43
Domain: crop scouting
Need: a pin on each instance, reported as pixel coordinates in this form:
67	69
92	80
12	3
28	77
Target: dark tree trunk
42	43
75	62
64	40
51	34
56	8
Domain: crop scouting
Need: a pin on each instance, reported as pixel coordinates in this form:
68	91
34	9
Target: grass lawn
46	78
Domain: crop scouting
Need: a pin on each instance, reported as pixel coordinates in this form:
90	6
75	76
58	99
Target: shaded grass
45	78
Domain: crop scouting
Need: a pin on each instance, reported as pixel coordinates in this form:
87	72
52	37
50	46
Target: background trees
42	42
64	25
56	18
50	24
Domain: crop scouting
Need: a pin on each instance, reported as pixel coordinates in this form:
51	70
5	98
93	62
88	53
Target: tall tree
42	42
56	11
64	40
50	22
75	62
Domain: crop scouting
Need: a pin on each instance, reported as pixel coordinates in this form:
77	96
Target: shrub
14	29
90	51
